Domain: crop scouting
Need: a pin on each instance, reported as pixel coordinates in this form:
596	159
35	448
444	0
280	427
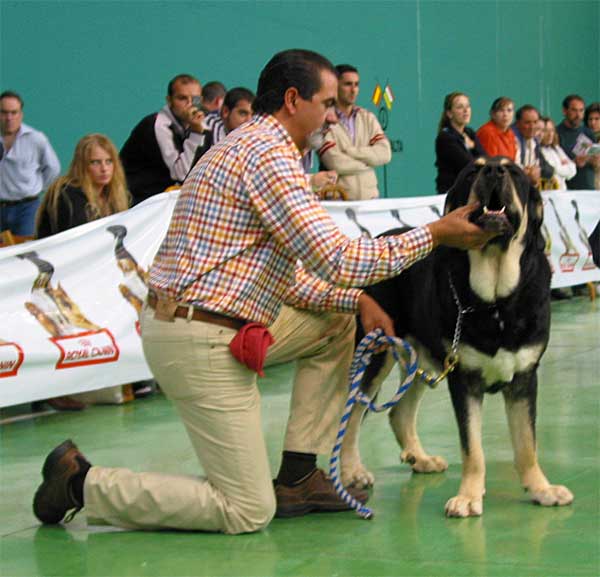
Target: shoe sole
55	456
306	508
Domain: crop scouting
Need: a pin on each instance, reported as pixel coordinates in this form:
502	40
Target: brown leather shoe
65	404
54	497
315	493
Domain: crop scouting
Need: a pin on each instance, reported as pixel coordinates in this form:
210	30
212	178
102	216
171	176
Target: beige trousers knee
218	401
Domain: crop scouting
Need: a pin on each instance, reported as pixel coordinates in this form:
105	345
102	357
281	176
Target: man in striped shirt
244	220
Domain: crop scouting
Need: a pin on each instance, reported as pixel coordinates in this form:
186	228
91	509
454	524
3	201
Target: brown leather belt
182	312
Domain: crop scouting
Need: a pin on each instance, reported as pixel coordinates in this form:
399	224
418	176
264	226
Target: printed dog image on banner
503	293
80	341
134	286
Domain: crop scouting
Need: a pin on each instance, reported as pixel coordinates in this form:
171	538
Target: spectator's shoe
315	493
65	404
55	497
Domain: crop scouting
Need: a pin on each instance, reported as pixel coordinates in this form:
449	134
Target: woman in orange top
496	136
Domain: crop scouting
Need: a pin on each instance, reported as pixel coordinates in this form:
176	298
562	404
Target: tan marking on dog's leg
403	420
469	501
531	476
353	472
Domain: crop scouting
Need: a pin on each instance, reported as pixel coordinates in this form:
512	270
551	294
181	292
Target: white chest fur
503	366
495	273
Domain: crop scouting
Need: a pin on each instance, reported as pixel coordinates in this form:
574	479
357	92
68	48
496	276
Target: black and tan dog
505	290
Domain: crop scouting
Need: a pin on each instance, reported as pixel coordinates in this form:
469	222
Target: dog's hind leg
521	413
403	420
354	473
467	408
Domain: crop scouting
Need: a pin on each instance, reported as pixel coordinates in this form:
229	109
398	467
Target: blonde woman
93	187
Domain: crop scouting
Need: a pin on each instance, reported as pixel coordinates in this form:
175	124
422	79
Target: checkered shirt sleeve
244	218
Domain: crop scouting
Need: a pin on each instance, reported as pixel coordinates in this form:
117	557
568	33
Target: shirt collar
271	123
174	120
352	114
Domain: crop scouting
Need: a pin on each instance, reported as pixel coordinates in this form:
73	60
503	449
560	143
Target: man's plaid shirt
244	218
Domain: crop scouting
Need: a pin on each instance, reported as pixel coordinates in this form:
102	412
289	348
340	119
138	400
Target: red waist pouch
250	344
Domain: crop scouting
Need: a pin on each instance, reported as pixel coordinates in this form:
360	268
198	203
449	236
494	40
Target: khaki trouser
218	401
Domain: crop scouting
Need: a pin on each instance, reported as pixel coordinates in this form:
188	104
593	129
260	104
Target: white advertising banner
70	303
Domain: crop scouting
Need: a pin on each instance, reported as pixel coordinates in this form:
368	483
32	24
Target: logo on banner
568	259
80	341
11	358
589	263
89	348
134	286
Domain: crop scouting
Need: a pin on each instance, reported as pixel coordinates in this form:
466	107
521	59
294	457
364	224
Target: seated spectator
495	136
529	157
456	144
576	138
93	187
592	121
236	109
160	149
213	94
564	167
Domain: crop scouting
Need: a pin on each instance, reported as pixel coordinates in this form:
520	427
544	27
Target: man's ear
225	112
290	98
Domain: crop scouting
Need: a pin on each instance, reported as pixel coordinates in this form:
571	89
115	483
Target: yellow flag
377	93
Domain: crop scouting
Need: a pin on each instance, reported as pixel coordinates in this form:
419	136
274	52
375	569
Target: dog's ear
458	194
535	215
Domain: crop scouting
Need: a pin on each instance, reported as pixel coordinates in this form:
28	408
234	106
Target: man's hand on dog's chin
457	231
372	316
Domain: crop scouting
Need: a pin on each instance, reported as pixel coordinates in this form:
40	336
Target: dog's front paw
423	463
552	495
463	506
357	476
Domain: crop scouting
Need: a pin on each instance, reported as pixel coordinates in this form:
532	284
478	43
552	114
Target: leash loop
362	358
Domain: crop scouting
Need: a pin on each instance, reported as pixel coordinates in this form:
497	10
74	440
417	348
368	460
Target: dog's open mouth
494	220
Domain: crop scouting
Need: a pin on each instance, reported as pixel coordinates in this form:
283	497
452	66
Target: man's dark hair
213	89
568	99
234	95
526	108
183	78
11	94
343	68
300	69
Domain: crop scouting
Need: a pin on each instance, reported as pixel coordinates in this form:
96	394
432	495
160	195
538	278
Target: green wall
87	66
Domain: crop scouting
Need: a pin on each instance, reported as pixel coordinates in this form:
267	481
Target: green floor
409	535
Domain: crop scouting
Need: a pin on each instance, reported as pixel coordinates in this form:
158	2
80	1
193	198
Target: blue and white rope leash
362	358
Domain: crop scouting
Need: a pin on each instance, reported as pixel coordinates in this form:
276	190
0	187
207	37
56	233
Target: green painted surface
97	66
409	535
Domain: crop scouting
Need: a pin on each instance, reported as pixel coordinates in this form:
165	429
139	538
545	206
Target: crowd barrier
70	303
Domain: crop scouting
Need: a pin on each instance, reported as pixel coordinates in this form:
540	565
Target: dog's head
509	204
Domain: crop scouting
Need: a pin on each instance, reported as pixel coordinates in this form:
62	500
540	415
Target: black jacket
452	155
